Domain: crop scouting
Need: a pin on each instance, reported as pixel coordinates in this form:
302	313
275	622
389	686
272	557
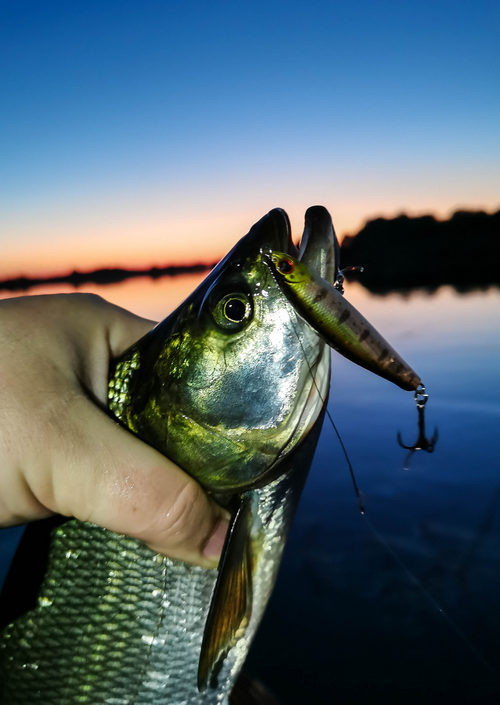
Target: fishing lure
337	321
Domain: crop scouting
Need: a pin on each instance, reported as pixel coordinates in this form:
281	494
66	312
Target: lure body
340	324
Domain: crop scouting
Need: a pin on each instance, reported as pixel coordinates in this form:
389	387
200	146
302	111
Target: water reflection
405	611
358	623
151	298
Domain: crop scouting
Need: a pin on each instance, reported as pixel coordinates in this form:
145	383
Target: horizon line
102	275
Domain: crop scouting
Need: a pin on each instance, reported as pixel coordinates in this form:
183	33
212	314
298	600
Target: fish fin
231	604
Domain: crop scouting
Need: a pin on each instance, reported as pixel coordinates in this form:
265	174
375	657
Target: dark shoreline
403	254
106	275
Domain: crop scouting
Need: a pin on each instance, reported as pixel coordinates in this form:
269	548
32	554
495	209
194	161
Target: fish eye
233	311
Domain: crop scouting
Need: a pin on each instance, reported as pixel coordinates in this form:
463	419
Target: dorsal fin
231	604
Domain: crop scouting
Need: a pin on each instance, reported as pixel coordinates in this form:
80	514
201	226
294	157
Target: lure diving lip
337	321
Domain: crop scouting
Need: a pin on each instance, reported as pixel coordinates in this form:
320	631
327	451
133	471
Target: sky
153	132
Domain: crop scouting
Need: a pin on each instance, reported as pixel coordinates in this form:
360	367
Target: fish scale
120	594
132	628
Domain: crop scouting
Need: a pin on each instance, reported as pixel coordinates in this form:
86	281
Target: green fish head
234	379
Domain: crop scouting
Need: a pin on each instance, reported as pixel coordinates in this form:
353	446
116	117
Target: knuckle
86	298
181	521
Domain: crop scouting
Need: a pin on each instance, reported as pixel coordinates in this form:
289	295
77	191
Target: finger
109	477
123	327
89	333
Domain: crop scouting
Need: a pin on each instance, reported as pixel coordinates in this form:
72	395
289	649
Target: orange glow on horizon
43	264
58	249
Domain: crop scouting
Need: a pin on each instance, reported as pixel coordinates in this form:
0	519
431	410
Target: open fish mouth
307	281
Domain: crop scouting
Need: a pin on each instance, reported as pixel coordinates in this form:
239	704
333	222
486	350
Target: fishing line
348	461
332	422
432	601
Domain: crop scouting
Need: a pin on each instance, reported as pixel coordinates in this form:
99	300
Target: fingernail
215	543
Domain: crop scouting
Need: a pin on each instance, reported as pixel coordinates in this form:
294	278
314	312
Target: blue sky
140	132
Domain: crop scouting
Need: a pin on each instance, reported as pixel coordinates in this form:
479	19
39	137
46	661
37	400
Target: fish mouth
319	247
320	303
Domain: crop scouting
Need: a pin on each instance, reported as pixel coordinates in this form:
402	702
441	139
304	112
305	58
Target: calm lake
399	605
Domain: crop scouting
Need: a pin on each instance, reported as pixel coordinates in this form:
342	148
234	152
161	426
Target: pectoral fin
231	604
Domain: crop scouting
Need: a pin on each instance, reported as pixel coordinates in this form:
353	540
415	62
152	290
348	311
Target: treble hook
422	442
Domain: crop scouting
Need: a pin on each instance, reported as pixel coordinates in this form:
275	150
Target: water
400	605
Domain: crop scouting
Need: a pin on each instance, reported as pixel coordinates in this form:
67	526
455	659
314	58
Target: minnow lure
337	321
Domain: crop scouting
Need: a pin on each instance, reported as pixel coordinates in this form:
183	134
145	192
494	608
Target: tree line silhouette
106	275
403	253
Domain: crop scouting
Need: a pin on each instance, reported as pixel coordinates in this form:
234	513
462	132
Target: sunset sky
135	133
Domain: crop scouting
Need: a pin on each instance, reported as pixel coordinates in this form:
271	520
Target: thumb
128	487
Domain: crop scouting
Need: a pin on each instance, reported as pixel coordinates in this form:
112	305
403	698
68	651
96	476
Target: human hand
61	453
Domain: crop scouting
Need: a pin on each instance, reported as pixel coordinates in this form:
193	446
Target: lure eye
233	311
285	266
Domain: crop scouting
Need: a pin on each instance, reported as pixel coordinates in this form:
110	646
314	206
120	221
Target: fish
233	387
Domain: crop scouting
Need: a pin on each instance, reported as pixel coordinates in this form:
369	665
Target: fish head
231	382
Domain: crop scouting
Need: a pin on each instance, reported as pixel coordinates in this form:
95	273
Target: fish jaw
319	247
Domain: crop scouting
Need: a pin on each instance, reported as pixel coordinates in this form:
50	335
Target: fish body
231	386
